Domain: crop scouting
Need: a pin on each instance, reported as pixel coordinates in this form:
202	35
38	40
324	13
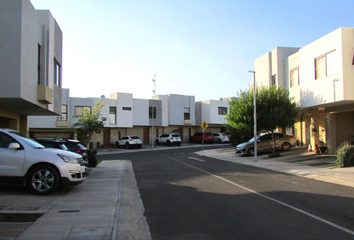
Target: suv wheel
168	143
43	179
157	142
286	146
250	151
127	145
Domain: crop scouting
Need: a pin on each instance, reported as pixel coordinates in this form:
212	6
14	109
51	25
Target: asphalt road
187	196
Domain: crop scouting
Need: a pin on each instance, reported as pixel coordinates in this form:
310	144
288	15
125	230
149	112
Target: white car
129	141
169	139
221	138
42	170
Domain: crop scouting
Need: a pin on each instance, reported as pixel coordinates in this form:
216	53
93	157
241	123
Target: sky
202	48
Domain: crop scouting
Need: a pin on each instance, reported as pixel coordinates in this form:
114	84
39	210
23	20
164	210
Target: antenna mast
154	80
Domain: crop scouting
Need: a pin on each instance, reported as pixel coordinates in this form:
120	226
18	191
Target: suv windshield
28	140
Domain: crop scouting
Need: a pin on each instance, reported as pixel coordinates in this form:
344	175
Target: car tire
190	140
168	143
157	142
127	146
43	179
250	151
178	144
286	146
219	140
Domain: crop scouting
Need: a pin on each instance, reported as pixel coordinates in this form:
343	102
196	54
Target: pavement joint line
115	226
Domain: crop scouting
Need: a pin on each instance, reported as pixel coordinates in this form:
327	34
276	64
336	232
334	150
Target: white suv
42	170
129	141
169	139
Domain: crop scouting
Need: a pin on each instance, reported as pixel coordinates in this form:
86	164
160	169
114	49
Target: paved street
188	196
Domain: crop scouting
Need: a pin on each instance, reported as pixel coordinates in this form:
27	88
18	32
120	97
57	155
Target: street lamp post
254	115
152	126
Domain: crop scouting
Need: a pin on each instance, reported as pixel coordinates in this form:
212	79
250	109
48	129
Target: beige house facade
320	78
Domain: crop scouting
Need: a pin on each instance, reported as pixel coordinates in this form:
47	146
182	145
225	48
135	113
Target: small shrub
345	155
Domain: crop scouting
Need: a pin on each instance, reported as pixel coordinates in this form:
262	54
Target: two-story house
319	76
146	118
30	64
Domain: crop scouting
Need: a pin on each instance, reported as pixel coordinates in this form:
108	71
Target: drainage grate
69	211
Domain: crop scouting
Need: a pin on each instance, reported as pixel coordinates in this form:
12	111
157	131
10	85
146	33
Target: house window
152	112
294	77
80	109
56	73
222	110
127	108
39	65
326	65
274	80
187	114
112	115
64	113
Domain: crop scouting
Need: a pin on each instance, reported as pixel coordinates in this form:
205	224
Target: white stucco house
30	64
320	78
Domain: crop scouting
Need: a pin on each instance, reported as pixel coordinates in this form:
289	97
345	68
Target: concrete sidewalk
297	162
107	206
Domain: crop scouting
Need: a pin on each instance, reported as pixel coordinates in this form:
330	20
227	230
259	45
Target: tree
240	118
89	122
275	109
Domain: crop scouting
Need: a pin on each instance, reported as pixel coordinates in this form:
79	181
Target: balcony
62	123
187	122
44	94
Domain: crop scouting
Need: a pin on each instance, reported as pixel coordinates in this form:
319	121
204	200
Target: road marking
193	158
269	198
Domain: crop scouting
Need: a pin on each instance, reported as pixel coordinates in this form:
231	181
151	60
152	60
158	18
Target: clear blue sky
202	48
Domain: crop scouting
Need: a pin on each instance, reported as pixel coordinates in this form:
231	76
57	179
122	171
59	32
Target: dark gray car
265	144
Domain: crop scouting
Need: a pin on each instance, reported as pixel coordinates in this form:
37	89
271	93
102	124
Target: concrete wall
177	103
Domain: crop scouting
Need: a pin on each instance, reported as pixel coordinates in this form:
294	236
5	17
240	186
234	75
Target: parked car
221	138
42	170
64	144
169	139
76	147
198	137
129	141
58	143
265	143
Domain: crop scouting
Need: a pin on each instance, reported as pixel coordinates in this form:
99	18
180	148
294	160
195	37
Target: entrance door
146	137
107	137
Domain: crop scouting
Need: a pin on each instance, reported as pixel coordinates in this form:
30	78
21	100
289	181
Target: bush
345	155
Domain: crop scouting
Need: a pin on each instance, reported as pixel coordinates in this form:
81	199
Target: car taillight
80	151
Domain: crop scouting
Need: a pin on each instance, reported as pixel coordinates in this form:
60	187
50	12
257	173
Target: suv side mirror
14	146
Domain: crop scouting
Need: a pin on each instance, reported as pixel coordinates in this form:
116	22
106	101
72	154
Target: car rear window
209	134
134	137
175	135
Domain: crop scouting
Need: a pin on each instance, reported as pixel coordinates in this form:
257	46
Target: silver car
265	144
42	170
221	137
129	141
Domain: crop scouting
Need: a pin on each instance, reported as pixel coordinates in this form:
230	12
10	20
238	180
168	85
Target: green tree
240	118
90	122
275	109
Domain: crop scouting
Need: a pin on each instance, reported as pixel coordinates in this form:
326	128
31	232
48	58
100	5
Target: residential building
30	64
146	118
319	76
213	112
